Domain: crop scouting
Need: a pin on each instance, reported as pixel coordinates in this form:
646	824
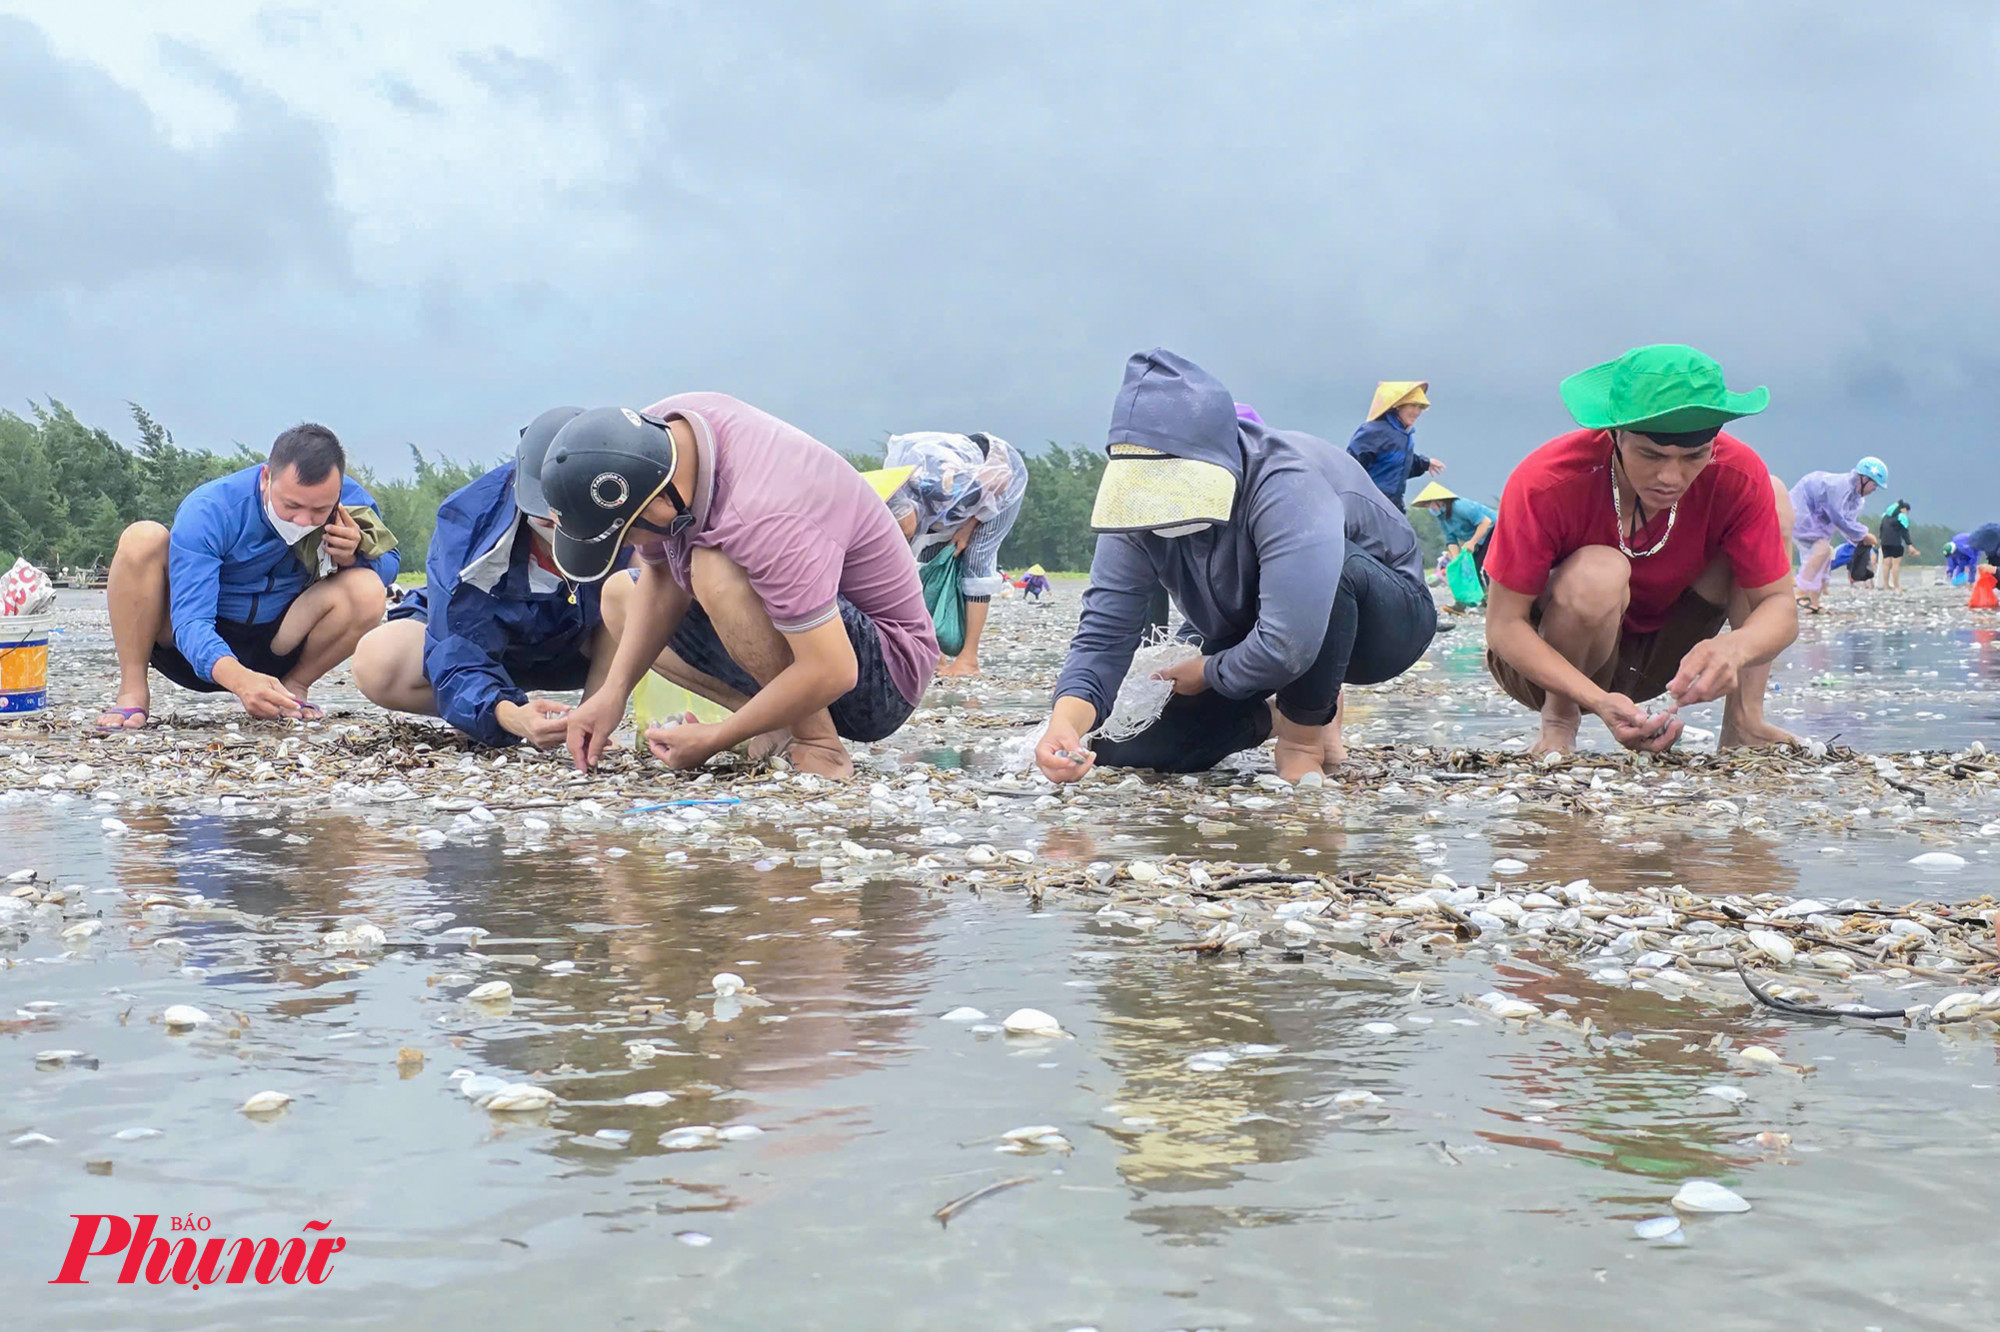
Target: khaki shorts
1644	664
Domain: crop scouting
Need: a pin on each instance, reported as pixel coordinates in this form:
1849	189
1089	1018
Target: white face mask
289	533
1181	530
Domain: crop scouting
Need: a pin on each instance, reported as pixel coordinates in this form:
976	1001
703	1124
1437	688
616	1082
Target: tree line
68	490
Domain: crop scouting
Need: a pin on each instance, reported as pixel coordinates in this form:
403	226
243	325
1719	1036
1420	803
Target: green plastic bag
1462	577
944	597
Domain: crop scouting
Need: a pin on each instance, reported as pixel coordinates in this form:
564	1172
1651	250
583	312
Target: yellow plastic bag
658	700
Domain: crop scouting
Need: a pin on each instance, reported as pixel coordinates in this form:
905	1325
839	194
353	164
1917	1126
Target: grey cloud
901	215
512	76
100	196
400	93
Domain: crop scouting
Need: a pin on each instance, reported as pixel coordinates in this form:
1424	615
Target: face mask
289	533
542	526
1181	530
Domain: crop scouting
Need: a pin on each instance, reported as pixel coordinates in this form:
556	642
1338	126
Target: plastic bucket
24	663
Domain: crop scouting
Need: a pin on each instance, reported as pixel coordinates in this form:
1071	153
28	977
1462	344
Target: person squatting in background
1385	443
1826	505
1293	573
966	492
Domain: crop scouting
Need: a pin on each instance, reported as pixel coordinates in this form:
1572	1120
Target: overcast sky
426	223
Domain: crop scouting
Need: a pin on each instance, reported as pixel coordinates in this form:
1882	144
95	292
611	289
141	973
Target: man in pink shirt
771	579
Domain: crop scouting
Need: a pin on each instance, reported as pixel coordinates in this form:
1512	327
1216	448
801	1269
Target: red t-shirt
1559	501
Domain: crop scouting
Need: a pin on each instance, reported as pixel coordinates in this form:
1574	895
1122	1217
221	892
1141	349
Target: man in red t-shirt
1621	550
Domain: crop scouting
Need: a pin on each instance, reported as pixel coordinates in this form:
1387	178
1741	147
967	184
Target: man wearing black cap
495	618
771	579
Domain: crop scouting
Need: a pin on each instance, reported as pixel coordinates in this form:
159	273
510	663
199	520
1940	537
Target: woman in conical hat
1383	443
1466	524
961	490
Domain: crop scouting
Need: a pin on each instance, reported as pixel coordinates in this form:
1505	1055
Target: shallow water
1213	1180
1497	1180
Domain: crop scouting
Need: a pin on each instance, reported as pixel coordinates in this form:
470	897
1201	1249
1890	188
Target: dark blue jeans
1381	624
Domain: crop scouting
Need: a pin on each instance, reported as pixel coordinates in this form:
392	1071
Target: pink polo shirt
805	528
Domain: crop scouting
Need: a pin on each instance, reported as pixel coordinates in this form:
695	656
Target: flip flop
128	714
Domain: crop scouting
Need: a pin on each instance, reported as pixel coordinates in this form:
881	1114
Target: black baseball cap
536	436
603	468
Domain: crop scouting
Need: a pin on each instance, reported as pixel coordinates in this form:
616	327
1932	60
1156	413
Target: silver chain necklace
1618	510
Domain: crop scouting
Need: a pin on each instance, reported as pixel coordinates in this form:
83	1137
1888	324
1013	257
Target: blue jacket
1390	454
1258	590
226	562
492	610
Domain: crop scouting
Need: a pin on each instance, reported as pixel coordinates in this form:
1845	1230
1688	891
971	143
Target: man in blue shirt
495	618
264	583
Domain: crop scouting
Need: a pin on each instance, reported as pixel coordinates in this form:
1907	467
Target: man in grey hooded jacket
1294	574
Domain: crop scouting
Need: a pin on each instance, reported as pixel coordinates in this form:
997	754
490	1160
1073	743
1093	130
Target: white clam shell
266	1102
726	983
519	1097
1705	1195
1030	1022
1772	945
492	992
185	1015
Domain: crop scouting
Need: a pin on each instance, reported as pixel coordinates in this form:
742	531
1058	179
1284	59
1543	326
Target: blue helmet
1873	469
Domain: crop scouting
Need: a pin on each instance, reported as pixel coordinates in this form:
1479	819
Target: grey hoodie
1258	589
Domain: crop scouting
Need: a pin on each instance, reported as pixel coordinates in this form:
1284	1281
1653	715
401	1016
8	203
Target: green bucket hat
1669	388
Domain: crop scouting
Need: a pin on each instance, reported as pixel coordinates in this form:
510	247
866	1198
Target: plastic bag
944	598
1462	577
26	590
659	701
1141	698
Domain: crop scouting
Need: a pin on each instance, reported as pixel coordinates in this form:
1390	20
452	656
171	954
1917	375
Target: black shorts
1890	552
250	644
873	710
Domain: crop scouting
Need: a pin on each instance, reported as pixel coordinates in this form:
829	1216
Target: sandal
1808	607
128	714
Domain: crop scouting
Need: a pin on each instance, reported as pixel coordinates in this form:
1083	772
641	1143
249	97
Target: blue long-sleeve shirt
226	562
1388	449
492	610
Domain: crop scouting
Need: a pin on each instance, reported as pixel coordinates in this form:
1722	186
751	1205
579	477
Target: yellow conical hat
1037	571
887	479
1433	491
1392	393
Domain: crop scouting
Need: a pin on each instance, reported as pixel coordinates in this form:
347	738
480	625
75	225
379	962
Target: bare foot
1753	735
1330	738
1299	749
1557	737
958	667
308	711
128	713
764	746
821	758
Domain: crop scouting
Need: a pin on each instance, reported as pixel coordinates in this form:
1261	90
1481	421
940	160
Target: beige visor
1144	490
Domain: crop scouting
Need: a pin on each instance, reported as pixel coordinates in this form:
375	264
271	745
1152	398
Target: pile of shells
1663	939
